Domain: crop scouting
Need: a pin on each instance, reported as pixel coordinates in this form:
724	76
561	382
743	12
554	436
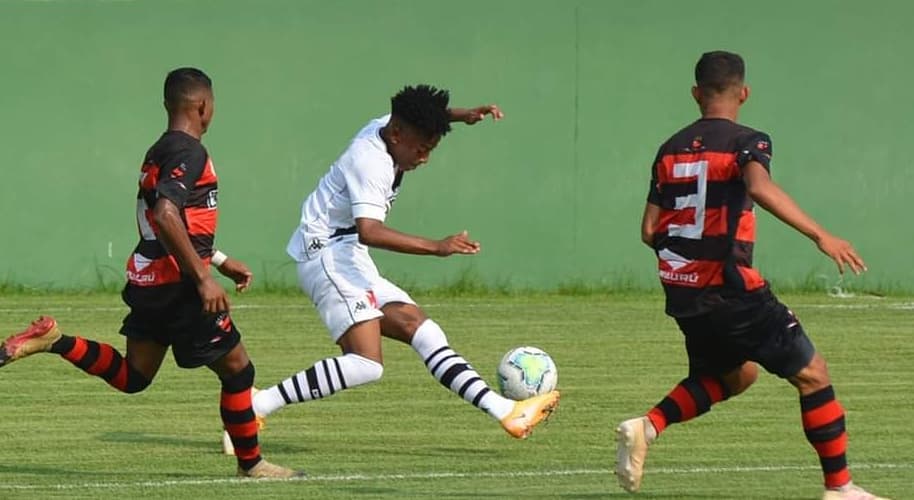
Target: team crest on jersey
178	172
224	322
697	144
762	146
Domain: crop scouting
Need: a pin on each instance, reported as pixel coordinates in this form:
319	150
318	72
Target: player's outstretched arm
173	235
375	234
477	114
772	198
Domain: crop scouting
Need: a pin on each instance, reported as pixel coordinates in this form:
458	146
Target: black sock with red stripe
691	398
823	423
101	360
238	416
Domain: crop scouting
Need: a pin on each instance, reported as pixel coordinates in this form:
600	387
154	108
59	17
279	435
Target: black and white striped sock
324	378
455	373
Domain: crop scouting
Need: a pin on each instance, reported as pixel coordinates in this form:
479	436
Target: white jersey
363	182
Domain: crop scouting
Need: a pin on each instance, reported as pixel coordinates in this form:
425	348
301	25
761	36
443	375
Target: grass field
67	435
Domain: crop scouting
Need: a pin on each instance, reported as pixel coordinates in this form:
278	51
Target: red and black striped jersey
706	231
176	167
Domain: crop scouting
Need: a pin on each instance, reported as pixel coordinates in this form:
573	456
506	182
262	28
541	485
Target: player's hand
238	272
458	243
474	115
213	296
842	252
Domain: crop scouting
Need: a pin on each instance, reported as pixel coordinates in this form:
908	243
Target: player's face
412	148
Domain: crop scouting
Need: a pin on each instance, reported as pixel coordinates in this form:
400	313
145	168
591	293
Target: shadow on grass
212	445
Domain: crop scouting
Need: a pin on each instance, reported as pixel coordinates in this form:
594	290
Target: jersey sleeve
179	172
653	192
755	147
368	179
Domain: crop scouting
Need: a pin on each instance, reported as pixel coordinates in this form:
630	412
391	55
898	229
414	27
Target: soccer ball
525	372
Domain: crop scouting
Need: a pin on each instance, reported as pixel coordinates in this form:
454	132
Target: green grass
67	435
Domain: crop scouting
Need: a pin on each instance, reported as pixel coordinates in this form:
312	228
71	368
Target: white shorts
345	286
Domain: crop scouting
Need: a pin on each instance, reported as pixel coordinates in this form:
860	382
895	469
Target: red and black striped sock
692	397
238	416
823	423
101	360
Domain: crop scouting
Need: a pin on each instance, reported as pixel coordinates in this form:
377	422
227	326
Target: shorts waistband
343	231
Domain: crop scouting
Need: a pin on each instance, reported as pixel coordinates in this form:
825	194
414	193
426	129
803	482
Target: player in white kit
345	216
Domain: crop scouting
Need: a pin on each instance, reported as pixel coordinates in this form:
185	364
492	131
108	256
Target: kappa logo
360	306
316	244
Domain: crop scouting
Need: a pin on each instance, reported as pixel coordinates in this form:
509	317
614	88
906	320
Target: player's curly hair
181	84
719	70
423	107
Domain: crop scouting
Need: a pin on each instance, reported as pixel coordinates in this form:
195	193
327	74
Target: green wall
554	192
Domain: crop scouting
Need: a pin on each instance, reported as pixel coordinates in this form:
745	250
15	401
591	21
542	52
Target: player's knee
240	380
136	382
813	376
817	373
360	370
748	376
739	380
404	319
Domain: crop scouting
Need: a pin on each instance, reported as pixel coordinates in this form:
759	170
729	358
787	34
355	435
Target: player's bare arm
374	233
474	115
238	272
772	198
649	223
173	235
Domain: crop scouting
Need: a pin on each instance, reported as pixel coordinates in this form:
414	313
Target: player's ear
744	94
696	94
395	133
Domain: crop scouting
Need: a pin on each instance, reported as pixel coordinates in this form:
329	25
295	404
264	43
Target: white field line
346	478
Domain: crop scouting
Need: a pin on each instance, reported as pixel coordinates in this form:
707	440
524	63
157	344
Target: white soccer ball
525	372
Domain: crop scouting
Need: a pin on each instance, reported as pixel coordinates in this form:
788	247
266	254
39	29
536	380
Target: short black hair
423	107
183	83
719	70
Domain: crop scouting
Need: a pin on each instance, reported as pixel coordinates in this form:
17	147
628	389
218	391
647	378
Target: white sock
455	373
325	378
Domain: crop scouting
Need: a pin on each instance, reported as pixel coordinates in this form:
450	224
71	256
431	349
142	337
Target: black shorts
767	333
196	338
